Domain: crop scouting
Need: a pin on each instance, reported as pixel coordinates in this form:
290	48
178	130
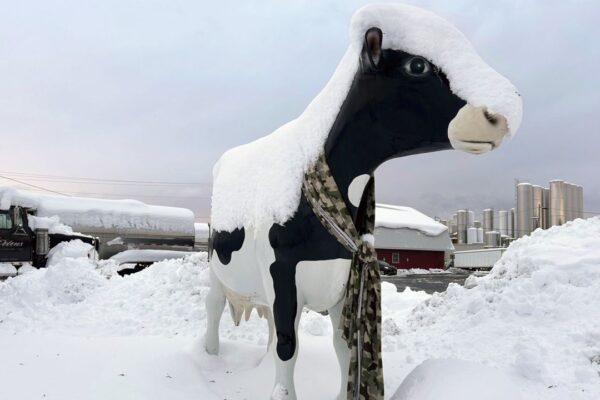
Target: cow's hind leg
341	347
215	303
287	308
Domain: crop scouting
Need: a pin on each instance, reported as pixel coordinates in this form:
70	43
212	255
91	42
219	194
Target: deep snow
529	330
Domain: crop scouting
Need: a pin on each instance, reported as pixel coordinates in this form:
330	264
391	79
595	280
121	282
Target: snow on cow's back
259	183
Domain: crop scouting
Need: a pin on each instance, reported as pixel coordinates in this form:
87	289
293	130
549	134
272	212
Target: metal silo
477	224
569	201
470	218
580	201
479	235
488	220
454	222
538	199
503	222
513	223
524	209
492	239
545	218
557	203
471	235
461	217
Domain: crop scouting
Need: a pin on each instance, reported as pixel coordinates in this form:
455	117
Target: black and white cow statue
409	83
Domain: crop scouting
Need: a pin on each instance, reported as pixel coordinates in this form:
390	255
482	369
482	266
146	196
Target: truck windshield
5	220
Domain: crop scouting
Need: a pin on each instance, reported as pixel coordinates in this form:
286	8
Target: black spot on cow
225	243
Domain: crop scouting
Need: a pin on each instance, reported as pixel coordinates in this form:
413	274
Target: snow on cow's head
493	106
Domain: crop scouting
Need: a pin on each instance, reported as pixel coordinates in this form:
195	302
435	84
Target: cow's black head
401	104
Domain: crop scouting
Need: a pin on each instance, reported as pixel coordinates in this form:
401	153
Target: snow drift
536	315
259	183
530	330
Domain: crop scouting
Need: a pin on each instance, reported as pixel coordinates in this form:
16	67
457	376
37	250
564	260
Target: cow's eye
417	66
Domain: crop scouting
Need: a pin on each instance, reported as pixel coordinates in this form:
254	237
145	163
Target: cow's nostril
492	119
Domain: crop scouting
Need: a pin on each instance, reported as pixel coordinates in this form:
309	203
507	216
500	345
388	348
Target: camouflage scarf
361	316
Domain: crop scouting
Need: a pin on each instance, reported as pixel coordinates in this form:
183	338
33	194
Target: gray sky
156	91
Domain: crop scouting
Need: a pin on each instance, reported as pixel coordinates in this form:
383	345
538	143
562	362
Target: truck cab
20	244
17	240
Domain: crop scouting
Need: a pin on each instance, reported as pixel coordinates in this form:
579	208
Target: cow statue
409	83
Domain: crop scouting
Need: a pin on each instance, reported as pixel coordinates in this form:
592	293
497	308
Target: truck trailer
31	224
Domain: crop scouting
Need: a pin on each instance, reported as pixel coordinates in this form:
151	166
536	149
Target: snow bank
530	329
259	183
75	297
147	255
88	213
7	270
536	315
457	380
394	217
67	250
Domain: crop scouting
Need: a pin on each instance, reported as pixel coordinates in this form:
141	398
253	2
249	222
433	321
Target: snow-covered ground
528	330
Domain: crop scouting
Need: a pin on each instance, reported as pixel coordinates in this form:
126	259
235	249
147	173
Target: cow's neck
351	151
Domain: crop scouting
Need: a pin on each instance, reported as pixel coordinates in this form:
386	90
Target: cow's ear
372	47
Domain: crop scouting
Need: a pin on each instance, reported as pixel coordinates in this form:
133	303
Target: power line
34	186
79	179
137	195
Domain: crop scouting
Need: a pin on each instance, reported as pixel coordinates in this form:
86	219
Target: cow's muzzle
476	130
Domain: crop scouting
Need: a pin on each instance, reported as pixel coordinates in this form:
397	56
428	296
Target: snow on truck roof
259	183
82	212
398	217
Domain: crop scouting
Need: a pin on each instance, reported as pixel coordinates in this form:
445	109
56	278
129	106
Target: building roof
405	228
388	216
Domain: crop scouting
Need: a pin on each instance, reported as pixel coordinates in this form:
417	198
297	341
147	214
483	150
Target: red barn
406	238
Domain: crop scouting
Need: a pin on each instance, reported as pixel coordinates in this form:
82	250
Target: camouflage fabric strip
361	315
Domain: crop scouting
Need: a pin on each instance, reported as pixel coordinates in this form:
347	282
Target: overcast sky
157	90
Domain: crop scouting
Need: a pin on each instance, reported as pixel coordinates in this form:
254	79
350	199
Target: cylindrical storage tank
569	201
454	222
580	201
488	220
557	203
509	223
513	222
575	202
462	226
477	224
524	209
536	212
471	235
492	239
503	222
545	218
470	218
479	235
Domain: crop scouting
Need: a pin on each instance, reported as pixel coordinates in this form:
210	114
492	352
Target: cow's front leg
287	308
341	347
215	302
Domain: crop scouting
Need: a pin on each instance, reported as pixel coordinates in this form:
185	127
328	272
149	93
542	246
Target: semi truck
31	224
21	243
